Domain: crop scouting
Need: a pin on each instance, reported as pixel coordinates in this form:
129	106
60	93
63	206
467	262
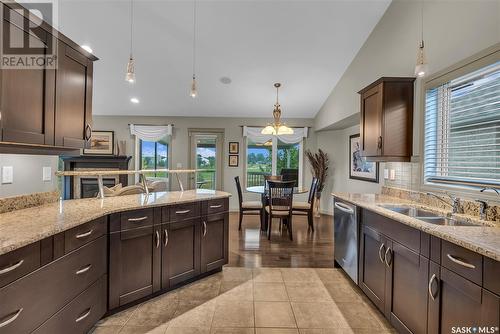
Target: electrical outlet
47	174
386	173
392	175
7	174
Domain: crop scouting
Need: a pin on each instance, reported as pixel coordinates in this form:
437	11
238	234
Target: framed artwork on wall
359	168
101	143
233	160
234	147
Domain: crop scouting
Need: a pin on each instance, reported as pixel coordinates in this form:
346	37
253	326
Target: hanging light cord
422	23
194	37
131	24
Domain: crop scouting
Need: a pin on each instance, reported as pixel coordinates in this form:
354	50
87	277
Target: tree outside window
154	155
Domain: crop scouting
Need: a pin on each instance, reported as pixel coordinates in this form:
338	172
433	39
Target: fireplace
86	186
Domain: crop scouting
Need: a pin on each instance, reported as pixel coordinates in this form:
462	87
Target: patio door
206	157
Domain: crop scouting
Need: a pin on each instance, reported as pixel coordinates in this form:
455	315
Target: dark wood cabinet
214	241
386	127
134	264
181	252
73	110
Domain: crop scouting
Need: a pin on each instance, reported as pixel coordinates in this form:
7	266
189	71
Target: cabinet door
134	264
181	252
406	281
73	115
455	302
27	95
371	121
372	270
214	241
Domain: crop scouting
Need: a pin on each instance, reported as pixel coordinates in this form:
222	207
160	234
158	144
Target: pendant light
194	88
130	76
277	128
421	67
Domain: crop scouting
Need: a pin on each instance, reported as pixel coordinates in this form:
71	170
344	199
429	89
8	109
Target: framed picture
233	160
234	147
101	142
359	168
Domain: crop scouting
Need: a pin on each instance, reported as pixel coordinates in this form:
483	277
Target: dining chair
280	204
248	207
307	208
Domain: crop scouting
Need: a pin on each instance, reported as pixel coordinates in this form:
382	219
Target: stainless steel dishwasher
346	237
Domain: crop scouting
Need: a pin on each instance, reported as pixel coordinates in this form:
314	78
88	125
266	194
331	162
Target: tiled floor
257	301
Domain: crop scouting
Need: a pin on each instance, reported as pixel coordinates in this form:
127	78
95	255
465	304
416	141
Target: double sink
428	216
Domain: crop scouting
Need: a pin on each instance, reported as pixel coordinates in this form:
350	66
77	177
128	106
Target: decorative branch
319	167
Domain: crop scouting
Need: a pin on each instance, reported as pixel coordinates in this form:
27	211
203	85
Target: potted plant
319	169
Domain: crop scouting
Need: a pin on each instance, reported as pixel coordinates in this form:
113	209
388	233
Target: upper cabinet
386	128
45	107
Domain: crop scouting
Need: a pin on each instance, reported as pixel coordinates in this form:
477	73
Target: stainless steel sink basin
427	216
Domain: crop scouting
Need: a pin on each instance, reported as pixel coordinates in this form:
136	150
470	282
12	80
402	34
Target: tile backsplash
407	175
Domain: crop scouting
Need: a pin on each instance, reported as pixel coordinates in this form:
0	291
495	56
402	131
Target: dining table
264	198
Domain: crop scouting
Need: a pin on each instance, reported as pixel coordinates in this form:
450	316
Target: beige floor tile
358	315
318	315
192	315
112	329
299	275
274	314
234	314
143	329
236	291
276	331
119	318
325	331
187	330
268	275
237	274
232	330
343	292
270	292
204	290
331	275
307	292
155	312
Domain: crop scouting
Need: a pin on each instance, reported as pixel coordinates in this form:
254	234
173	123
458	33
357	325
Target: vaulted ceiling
305	45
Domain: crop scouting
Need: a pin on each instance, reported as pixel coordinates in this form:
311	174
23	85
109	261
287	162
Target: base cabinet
214	241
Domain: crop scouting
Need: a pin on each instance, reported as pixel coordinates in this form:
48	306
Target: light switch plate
386	173
47	174
392	175
7	174
179	165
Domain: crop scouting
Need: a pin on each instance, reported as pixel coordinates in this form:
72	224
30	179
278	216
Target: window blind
462	130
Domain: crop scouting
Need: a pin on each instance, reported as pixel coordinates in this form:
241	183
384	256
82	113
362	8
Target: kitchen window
154	155
462	126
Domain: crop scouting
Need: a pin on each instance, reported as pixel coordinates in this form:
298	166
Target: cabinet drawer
30	301
136	218
491	275
18	263
462	261
216	205
395	230
80	235
184	211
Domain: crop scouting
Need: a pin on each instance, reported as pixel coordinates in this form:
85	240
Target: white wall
28	174
180	141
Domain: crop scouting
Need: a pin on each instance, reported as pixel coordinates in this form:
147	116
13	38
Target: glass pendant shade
421	67
268	130
130	76
194	89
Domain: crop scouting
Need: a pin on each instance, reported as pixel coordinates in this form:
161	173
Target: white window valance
258	137
151	132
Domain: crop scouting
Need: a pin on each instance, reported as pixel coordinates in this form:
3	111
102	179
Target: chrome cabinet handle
433	297
182	212
460	262
12	267
379	144
11	319
157	238
83	270
84	315
215	206
388	251
344	208
88	132
165	233
382	246
84	235
204	228
134	220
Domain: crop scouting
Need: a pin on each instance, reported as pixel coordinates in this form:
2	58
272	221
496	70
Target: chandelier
277	128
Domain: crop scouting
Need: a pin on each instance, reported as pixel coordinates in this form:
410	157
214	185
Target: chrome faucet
490	188
483	205
455	201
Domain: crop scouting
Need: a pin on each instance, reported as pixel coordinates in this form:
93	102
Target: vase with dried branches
319	169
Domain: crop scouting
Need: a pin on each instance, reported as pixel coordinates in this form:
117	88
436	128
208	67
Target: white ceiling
305	45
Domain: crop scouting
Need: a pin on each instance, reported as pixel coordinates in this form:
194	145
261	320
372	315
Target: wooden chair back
280	196
238	188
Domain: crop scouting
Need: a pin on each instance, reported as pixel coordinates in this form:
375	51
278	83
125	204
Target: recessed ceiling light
87	48
225	80
134	100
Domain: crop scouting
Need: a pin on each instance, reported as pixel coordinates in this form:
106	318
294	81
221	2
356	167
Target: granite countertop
22	227
483	239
